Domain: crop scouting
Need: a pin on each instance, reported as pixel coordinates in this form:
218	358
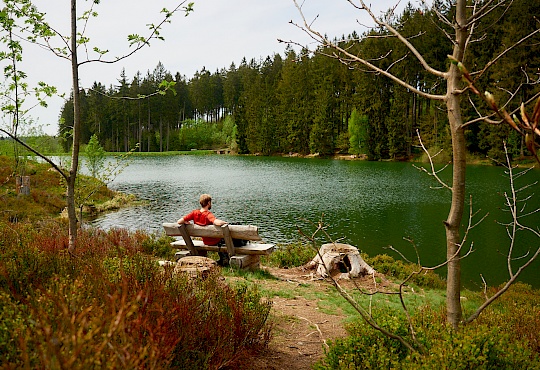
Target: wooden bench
246	256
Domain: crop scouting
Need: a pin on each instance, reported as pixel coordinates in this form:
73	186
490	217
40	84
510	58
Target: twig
318	329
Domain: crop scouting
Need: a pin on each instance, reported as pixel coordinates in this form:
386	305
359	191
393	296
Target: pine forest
305	102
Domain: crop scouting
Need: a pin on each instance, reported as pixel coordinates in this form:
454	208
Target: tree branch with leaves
33	27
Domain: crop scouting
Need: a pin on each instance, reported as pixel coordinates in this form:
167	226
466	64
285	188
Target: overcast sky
216	34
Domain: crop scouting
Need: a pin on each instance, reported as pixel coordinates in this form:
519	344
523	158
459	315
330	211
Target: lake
370	205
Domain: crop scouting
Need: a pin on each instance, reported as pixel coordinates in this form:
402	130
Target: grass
47	193
505	336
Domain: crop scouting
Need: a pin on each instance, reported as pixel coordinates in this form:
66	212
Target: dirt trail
301	329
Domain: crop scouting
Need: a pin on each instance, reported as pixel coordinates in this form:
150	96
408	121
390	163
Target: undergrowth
113	306
289	255
438	346
504	337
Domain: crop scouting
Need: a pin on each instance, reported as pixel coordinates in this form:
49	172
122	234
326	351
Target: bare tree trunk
72	214
140	128
453	222
168	134
160	134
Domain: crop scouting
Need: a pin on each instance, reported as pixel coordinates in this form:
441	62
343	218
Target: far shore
471	159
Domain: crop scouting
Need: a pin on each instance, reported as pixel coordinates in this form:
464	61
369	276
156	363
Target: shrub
516	312
439	346
290	255
113	306
400	271
159	246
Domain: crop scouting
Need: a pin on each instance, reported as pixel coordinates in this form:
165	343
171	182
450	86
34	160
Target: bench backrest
245	232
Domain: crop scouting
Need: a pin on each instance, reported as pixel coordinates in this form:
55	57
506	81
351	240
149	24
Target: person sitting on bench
203	217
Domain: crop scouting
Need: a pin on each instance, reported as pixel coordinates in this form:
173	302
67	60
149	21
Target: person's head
205	200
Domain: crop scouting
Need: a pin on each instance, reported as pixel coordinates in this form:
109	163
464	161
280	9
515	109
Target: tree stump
342	261
195	266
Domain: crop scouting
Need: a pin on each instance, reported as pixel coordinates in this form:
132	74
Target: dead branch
42	156
366	315
318	330
511	201
433	172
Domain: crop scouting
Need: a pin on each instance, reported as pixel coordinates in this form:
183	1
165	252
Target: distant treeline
303	102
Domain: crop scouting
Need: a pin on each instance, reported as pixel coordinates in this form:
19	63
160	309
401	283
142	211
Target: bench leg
245	261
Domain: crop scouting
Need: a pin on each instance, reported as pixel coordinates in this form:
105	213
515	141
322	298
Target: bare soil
301	330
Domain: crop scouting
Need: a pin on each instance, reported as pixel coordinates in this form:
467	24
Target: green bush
159	246
517	312
475	346
290	255
400	270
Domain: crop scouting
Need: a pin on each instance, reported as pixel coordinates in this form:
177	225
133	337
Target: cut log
340	261
245	232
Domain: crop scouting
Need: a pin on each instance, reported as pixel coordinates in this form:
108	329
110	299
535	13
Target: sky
216	34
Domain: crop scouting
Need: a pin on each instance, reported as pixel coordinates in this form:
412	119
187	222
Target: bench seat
249	248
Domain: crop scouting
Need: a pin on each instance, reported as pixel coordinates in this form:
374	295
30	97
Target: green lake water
370	205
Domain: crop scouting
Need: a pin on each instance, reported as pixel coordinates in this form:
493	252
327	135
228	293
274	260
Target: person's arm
185	219
219	222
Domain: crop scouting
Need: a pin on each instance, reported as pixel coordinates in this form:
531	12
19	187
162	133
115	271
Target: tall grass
113	306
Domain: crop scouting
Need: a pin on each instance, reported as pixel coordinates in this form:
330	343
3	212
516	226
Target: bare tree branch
512	201
503	53
42	156
366	316
486	8
433	172
325	42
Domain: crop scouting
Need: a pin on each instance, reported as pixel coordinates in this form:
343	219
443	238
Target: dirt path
300	335
301	328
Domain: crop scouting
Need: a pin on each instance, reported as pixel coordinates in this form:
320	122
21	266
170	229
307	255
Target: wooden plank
228	240
245	232
250	248
187	239
180	243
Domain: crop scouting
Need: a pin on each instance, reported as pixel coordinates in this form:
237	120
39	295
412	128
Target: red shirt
203	219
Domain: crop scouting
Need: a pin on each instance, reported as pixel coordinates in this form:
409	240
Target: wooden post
22	184
187	239
228	240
